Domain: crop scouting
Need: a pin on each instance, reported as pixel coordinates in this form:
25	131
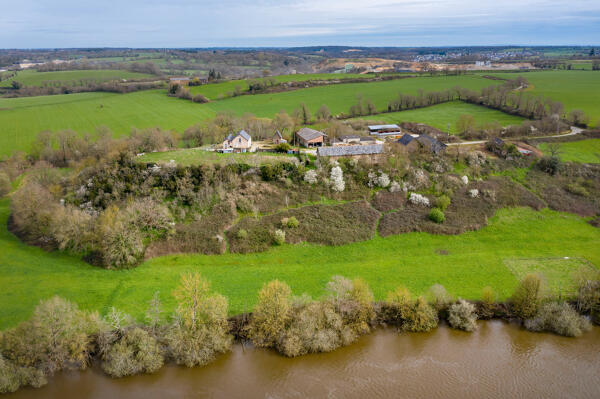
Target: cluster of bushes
296	326
60	336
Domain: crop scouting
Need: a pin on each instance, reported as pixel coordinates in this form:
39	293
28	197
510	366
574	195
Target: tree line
60	336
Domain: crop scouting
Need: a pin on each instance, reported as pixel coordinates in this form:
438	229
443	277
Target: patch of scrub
559	274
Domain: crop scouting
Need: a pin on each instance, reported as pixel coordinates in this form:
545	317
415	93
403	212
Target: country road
574	130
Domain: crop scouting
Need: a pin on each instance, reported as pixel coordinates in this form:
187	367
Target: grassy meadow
195	156
21	119
584	151
31	77
441	115
474	260
575	89
215	90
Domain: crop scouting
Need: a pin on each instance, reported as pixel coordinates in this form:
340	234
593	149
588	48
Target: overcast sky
246	23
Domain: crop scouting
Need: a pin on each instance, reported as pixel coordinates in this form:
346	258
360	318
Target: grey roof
406	139
181	78
278	134
241	133
350	137
309	134
341	151
244	134
433	144
379	127
367	138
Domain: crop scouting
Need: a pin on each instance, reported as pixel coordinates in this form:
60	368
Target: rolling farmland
31	77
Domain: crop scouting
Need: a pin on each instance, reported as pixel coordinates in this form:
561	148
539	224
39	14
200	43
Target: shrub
33	209
271	314
527	297
136	352
119	242
5	186
443	202
310	177
199	98
578	189
72	229
241	234
13	377
421	317
353	300
279	237
398	306
418	199
440	298
559	318
488	299
337	179
292	222
200	330
283	147
436	215
549	165
315	327
57	336
462	316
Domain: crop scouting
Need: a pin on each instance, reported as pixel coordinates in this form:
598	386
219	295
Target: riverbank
499	360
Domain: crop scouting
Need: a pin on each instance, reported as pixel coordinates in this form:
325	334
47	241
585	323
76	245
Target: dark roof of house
278	134
350	150
244	134
309	134
432	143
406	139
240	133
349	137
498	141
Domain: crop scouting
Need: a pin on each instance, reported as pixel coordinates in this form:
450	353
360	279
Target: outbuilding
310	138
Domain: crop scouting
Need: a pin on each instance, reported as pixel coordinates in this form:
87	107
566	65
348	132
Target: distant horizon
33	24
300	47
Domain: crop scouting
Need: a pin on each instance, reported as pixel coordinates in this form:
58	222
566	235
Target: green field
441	115
21	119
584	151
473	260
195	156
214	90
575	89
30	77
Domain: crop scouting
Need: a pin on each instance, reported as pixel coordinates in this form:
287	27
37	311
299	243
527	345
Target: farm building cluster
334	147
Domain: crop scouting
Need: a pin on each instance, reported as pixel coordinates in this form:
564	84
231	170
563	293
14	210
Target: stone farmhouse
240	142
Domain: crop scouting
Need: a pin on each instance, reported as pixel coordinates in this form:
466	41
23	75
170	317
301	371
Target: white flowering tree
337	179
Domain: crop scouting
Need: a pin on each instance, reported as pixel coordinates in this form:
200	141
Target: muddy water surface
497	361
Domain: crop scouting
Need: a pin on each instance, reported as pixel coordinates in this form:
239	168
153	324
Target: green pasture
214	90
584	151
575	89
442	115
473	260
21	119
31	77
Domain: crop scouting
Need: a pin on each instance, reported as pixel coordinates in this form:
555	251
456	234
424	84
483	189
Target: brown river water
497	361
